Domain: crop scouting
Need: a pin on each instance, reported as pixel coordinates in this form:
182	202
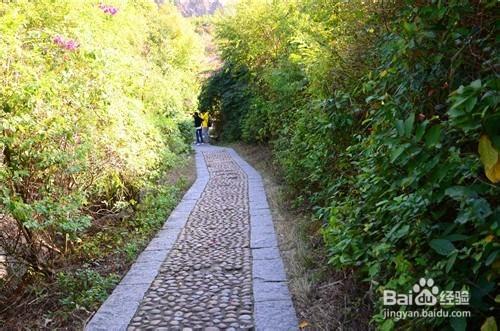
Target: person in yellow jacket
204	126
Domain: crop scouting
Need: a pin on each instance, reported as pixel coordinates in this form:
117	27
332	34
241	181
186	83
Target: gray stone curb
117	311
273	310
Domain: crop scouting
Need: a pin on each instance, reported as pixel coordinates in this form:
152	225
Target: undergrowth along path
215	265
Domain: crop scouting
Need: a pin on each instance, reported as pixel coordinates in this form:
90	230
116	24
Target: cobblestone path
206	281
214	265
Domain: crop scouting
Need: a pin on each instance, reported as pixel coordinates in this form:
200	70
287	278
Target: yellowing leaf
487	153
493	173
489	325
489	158
489	238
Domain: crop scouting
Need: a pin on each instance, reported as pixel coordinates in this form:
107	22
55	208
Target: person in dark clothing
197	124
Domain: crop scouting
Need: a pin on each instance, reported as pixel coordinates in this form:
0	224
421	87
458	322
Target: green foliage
226	98
131	251
85	288
186	131
375	112
157	205
91	106
134	231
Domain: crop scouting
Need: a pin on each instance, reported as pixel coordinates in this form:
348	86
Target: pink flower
58	40
71	45
108	9
68	44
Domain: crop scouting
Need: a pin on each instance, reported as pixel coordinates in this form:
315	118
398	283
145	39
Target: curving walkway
215	265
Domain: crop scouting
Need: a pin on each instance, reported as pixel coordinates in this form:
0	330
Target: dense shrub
227	101
86	288
384	118
90	102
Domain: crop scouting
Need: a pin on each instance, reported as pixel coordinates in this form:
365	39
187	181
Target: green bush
90	103
85	288
227	100
384	118
186	129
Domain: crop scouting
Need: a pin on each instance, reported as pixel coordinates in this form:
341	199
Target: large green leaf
420	131
451	261
396	152
400	126
409	124
442	246
432	136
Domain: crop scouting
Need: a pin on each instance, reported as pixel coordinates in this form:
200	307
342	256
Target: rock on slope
198	7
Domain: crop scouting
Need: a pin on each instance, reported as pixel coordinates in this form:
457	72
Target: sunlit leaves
90	104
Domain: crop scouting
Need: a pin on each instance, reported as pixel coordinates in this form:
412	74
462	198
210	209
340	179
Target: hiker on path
204	126
197	125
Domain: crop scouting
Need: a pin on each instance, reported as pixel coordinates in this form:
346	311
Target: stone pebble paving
206	281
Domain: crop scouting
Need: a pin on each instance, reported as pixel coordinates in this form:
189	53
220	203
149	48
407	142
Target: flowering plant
108	9
68	44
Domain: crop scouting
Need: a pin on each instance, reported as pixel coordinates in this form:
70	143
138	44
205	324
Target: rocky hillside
198	7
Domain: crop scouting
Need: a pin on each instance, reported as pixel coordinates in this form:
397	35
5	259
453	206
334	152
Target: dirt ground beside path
324	299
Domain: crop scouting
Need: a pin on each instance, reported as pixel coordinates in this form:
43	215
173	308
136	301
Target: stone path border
273	308
117	311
